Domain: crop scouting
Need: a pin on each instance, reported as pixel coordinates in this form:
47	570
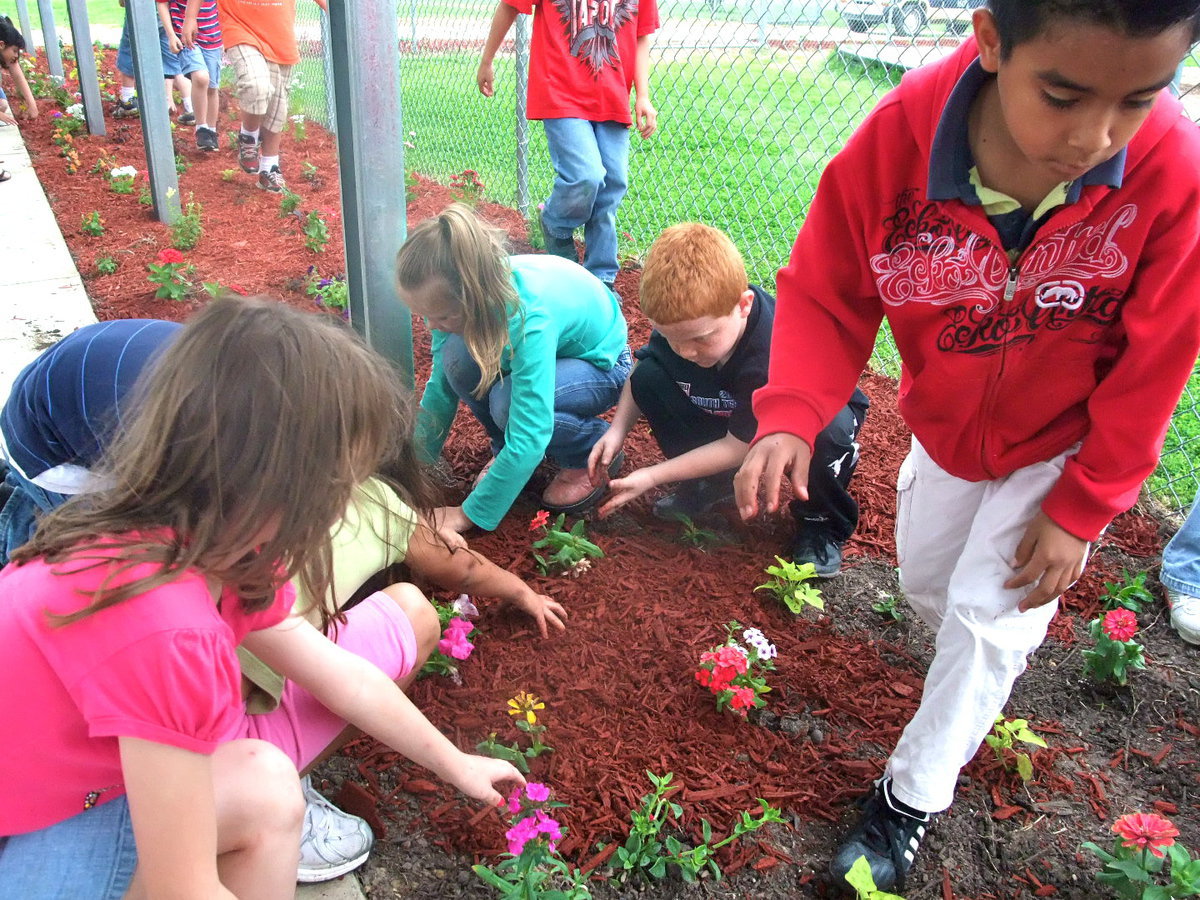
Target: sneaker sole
316	876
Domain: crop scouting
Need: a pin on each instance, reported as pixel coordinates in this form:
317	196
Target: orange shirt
268	25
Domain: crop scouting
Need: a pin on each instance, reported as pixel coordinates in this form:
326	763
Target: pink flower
1146	831
704	676
514	801
1120	624
520	834
539	520
743	698
454	641
169	255
537	792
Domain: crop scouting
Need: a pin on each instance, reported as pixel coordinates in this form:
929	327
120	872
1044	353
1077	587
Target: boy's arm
502	21
605	450
190	14
18	77
645	116
717	456
164	19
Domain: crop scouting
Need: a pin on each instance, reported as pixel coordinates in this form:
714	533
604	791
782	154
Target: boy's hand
476	776
486	78
451	519
190	28
622	490
773	458
645	116
604	451
6	116
1050	556
30	112
175	43
542	609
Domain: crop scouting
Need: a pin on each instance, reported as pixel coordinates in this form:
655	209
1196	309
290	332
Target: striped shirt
208	26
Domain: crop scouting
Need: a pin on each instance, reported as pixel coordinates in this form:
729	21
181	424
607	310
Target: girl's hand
542	608
476	776
451	519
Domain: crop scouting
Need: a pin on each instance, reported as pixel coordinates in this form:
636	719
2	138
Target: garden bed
618	686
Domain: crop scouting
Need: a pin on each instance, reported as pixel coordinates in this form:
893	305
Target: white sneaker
333	842
1185	616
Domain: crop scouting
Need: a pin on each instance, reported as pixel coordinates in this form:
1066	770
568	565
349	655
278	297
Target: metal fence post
521	64
85	63
26	25
50	39
366	73
142	20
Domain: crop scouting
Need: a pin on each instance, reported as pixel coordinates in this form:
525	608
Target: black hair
10	35
1019	21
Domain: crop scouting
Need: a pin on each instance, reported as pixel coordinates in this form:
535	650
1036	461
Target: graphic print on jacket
930	258
591	27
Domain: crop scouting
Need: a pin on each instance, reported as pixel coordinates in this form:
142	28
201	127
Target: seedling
288	203
106	265
570	553
1130	592
228	174
790	585
316	232
186	231
92	224
695	536
1003	740
309	172
888	606
859	877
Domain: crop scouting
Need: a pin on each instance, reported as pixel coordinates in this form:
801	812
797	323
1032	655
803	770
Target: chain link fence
754	97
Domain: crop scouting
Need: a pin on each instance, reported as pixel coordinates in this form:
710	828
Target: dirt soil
618	686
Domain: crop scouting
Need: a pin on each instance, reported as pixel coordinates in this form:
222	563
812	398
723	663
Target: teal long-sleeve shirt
564	312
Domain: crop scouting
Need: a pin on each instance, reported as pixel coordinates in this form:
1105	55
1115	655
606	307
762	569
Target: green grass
100	12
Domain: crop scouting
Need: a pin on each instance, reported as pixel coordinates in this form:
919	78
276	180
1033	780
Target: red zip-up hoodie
1088	338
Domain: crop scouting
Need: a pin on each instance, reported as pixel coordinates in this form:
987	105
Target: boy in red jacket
1026	215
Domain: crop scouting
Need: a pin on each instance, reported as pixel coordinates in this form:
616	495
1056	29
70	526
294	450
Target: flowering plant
1130	592
1133	868
1116	651
299	129
572	551
534	868
329	293
466	187
92	224
120	179
524	706
737	674
455	644
316	232
171	274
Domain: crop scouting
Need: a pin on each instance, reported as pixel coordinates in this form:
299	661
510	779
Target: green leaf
1024	767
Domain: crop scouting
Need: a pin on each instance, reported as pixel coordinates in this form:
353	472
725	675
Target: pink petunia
521	834
1146	831
1120	624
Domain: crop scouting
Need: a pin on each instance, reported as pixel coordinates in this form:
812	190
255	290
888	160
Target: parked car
908	17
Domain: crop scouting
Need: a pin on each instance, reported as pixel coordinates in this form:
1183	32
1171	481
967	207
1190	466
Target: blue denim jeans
591	174
582	392
1181	557
91	856
18	517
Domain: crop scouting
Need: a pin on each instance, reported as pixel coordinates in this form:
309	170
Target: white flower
756	639
75	110
298	118
464	607
123	172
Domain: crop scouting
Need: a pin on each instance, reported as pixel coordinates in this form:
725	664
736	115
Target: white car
908	17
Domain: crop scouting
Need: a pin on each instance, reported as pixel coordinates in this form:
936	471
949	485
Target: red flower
170	255
1146	831
743	698
238	289
539	520
704	677
1120	624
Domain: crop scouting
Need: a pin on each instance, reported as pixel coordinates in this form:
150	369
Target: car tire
908	19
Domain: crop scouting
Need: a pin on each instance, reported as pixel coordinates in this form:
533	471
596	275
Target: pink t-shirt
161	666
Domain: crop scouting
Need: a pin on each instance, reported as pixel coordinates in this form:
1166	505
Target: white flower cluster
75	111
123	172
758	640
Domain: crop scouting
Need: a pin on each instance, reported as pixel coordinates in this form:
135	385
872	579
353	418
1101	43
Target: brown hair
690	271
470	257
243	440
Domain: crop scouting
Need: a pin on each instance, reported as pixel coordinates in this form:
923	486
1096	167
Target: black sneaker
815	545
206	139
695	498
272	181
558	246
187	118
127	109
886	836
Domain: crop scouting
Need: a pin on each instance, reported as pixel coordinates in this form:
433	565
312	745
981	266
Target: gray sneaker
272	181
332	842
127	109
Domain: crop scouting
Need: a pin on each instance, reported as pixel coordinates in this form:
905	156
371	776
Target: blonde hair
691	270
470	257
241	447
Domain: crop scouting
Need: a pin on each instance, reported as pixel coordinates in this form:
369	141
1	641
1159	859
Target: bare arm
502	21
467	572
605	450
190	12
709	459
359	692
645	116
164	19
18	77
173	811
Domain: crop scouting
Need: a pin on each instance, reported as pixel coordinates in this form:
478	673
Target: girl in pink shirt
119	621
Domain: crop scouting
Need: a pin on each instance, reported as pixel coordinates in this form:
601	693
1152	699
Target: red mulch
618	685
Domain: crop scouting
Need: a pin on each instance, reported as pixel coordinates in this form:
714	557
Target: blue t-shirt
64	404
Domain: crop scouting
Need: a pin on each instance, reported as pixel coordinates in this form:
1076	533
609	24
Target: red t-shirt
582	56
161	666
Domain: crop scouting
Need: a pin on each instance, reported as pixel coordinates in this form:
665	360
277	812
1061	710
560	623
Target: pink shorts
377	630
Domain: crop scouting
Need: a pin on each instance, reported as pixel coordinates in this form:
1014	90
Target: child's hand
485	78
30	112
604	451
1050	556
175	43
451	519
622	490
476	776
542	609
190	29
775	457
645	116
6	116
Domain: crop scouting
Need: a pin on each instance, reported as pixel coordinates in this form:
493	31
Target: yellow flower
524	704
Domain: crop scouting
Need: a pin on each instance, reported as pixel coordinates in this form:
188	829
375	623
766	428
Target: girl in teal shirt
535	346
